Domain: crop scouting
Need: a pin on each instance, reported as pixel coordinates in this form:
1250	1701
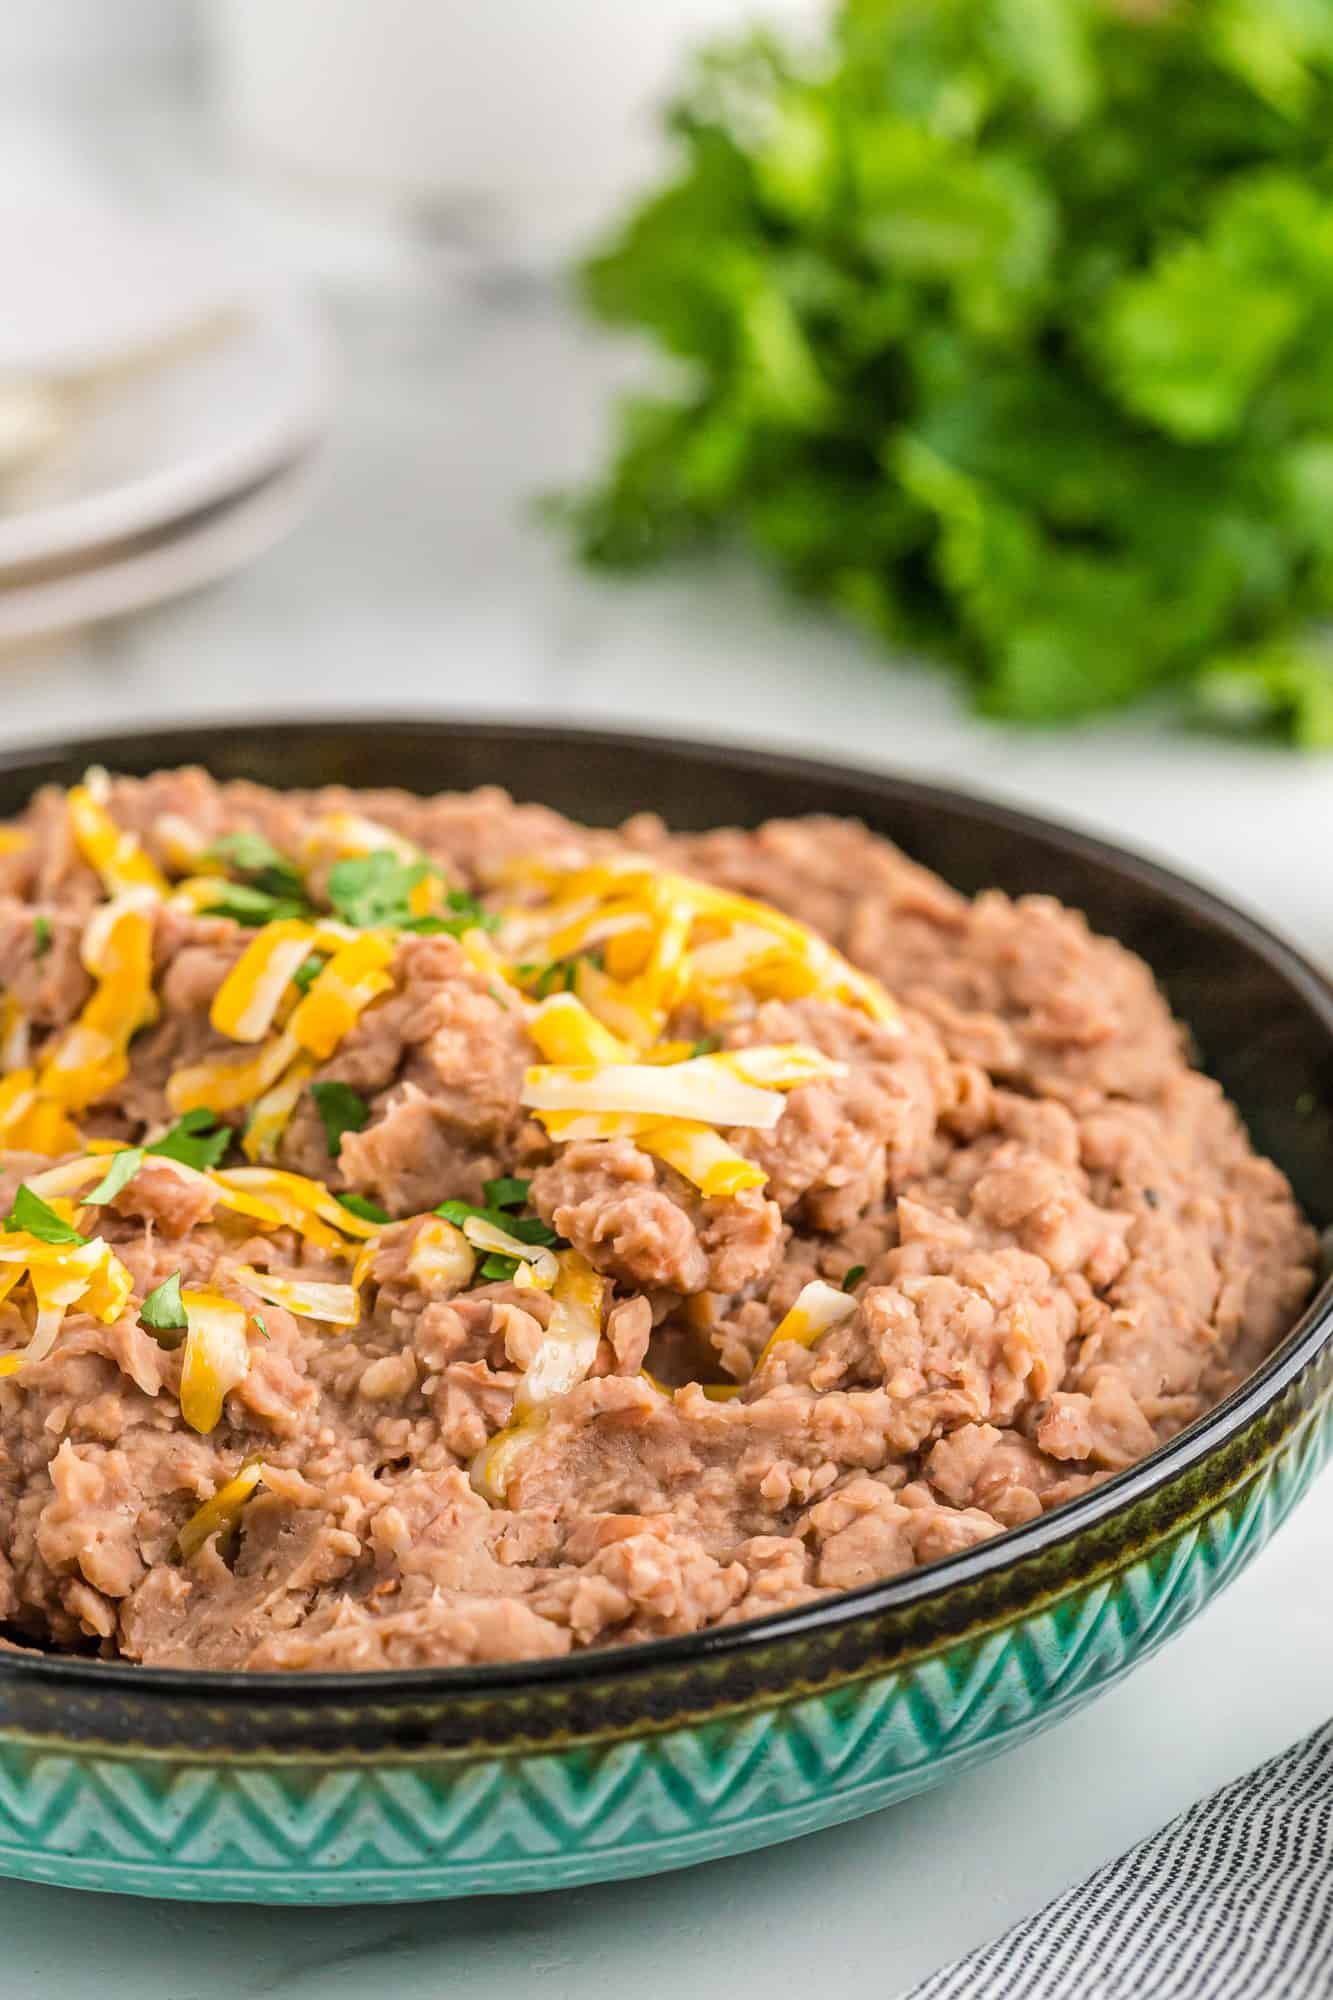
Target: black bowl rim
190	739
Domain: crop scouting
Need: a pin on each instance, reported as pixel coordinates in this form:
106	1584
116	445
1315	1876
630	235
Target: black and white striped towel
1232	1901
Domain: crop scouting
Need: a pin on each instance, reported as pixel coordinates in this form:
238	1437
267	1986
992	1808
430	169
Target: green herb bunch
1006	328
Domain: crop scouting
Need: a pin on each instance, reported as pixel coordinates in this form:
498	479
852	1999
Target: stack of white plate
159	412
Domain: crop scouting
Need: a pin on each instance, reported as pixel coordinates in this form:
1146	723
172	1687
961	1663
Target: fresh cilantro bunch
1006	328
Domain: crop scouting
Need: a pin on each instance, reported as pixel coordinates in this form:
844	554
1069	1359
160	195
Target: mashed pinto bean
1057	1242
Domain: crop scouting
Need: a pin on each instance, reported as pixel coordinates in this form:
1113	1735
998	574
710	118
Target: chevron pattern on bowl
325	1830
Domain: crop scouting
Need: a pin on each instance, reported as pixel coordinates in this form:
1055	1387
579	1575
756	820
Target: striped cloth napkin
1232	1901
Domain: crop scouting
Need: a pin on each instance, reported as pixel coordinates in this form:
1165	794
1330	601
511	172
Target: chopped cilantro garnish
257	1320
508	1192
121	1171
497	1270
857	1271
465	905
31	1213
370	889
358	1204
254	907
246	852
163	1312
558	977
526	1228
707	1045
308	971
529	1229
197	1140
465	914
41	936
341	1110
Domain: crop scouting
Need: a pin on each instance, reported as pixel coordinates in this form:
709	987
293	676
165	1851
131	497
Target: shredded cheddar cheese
113	852
221	1513
59	1276
217	1356
336	1305
441	1257
562	1360
92	1056
818	1307
697	1089
355	975
248	998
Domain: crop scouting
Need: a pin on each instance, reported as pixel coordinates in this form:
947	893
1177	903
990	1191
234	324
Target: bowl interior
1262	1019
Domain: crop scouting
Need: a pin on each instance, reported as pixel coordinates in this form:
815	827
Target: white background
419	582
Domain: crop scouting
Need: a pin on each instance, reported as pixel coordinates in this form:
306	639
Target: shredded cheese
541	1262
355	975
229	1083
705	1159
92	1056
563	1359
15	1034
293	1202
221	1513
567	1033
818	1306
569	1347
336	1305
217	1356
60	1276
441	1258
345	836
248	998
115	854
699	1090
272	1111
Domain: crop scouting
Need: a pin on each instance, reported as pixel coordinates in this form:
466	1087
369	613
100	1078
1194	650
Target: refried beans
434	1232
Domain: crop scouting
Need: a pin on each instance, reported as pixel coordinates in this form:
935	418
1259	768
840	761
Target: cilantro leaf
41	936
258	1321
31	1213
465	914
458	1212
856	1272
358	1204
197	1139
496	1269
371	889
163	1313
524	1228
308	971
527	1228
248	853
120	1172
1004	333
508	1192
254	907
341	1109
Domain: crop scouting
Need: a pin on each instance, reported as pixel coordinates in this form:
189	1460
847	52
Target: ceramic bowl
380	1787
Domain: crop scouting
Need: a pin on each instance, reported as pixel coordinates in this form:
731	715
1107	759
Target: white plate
162	439
221	538
91	282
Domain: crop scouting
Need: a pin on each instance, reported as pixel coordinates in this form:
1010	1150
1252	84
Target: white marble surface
418	582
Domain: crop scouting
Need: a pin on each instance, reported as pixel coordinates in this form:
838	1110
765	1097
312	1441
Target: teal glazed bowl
396	1786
